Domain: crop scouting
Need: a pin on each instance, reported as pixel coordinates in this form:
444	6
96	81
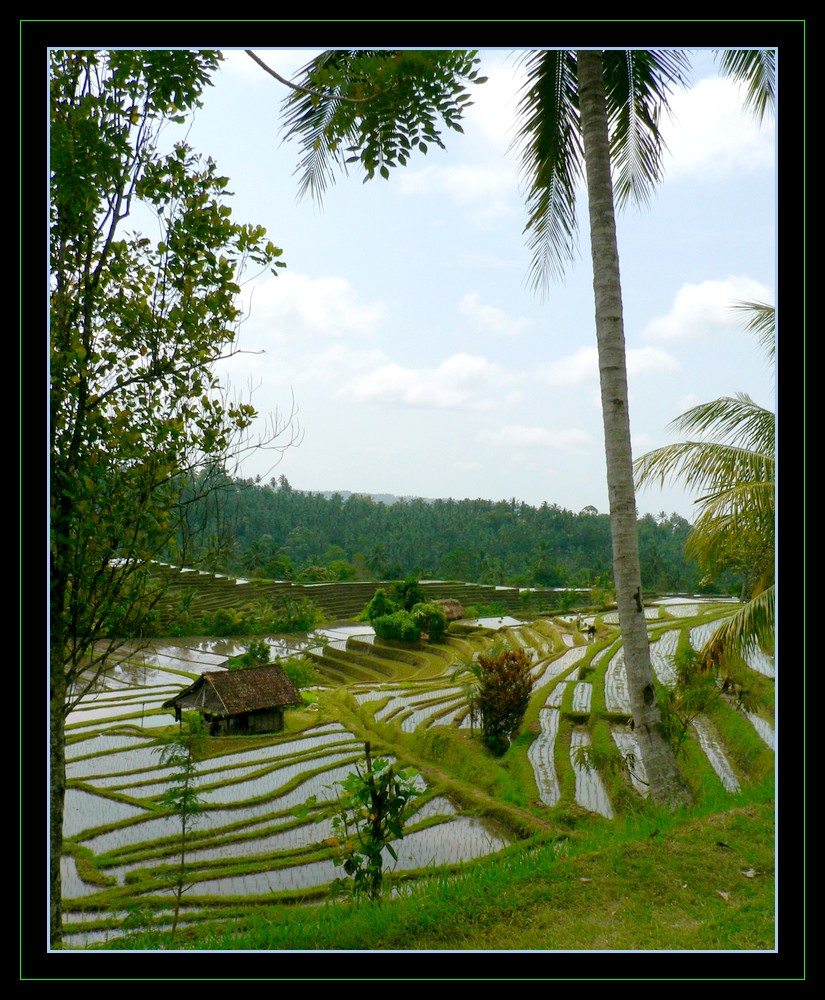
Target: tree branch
305	90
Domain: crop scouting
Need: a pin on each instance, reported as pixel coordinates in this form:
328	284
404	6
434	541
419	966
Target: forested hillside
272	530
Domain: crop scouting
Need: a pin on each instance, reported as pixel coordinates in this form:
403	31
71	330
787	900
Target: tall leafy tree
137	321
730	460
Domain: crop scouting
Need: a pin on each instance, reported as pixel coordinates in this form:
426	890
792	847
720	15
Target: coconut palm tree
601	109
587	114
731	463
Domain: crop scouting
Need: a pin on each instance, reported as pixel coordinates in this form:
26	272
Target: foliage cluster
374	107
431	618
300	672
502	696
404	615
407	593
379	606
399	625
257	654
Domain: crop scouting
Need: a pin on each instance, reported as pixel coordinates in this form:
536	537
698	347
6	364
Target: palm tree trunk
666	782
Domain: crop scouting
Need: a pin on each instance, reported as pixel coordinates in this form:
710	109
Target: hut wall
266	722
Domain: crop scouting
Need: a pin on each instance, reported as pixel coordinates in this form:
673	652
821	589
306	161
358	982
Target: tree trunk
666	782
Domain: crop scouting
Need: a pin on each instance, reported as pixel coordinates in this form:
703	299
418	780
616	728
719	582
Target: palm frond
756	70
322	126
736	419
747	630
733	541
550	147
708	466
637	85
761	321
731	505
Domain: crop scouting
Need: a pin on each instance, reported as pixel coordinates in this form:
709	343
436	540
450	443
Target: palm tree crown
731	463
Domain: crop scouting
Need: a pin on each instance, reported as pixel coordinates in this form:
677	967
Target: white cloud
465	184
326	307
705	310
337	362
712	135
650	361
487	194
491	318
517	436
461	381
583	366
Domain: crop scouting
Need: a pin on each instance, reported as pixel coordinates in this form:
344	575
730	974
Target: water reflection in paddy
461	839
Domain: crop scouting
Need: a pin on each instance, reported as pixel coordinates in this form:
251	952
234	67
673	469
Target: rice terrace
252	850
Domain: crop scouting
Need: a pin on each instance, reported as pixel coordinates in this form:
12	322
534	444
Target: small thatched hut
247	700
453	609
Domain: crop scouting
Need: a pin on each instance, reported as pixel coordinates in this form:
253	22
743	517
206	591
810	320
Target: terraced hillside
337	601
248	845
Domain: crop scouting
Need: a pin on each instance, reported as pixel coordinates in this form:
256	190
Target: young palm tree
731	463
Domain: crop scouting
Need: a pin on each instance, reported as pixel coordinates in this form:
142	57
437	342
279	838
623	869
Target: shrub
300	672
408	593
227	621
430	618
380	605
299	615
368	817
257	654
400	625
503	696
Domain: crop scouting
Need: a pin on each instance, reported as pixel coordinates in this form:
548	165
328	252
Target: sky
419	358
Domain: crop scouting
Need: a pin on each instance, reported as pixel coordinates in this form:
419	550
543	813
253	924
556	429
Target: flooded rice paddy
248	797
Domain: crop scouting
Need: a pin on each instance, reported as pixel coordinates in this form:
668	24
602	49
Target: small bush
400	625
300	672
408	594
380	606
503	696
298	615
430	618
257	654
227	621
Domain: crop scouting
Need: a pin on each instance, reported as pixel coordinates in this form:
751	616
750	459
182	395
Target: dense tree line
271	530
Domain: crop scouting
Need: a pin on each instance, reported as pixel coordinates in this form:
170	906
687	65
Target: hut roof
232	692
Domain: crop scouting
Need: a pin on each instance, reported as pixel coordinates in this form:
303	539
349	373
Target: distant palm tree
732	464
